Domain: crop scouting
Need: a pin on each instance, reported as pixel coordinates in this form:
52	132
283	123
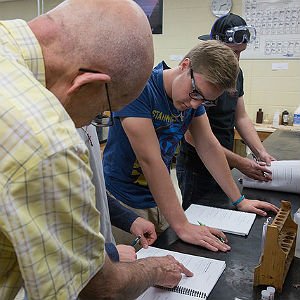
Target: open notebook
285	177
206	274
227	220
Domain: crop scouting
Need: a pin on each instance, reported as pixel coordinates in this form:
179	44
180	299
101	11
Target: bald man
56	72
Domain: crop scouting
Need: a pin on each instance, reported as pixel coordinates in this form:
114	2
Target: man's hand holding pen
204	236
144	231
218	237
136	241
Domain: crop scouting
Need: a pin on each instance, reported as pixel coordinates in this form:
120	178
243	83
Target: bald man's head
113	37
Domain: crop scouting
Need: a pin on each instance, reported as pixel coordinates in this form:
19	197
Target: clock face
221	7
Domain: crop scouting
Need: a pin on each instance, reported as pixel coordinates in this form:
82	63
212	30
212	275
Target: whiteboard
277	24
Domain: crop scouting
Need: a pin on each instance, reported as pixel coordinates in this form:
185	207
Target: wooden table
263	131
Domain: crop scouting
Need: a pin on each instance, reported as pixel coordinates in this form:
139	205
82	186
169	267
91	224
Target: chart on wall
277	24
153	10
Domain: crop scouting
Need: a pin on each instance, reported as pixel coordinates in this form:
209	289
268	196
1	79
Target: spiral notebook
227	220
206	271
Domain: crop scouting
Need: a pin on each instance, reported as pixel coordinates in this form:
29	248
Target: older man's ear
85	78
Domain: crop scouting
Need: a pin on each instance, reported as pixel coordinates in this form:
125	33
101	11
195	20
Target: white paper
285	177
206	274
231	221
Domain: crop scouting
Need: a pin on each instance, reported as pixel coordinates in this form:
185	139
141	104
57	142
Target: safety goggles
238	35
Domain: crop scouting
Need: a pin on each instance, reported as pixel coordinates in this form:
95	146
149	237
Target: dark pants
194	180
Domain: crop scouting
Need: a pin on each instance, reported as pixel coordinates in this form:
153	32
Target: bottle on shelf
259	116
285	117
297	220
296	121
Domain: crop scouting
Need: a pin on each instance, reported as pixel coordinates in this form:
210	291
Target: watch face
221	7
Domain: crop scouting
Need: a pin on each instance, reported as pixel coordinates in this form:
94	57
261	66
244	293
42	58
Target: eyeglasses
196	94
104	119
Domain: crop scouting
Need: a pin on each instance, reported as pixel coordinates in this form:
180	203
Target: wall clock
221	7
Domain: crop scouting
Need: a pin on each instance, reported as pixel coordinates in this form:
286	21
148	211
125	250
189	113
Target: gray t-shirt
89	135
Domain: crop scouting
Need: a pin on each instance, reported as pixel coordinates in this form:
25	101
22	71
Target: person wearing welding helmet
195	181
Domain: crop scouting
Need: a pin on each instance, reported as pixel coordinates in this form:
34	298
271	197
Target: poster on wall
277	26
153	10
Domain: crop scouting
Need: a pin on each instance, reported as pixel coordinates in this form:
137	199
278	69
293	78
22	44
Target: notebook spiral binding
185	291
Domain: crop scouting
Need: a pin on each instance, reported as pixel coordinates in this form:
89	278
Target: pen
201	224
136	240
219	238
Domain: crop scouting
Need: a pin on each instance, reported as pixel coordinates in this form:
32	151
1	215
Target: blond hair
216	62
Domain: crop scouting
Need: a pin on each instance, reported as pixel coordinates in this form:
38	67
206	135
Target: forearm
129	280
249	135
120	216
144	142
234	160
162	190
215	161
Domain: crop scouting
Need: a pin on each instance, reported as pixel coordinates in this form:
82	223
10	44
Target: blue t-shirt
124	177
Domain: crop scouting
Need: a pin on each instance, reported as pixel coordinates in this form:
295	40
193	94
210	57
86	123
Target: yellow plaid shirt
49	225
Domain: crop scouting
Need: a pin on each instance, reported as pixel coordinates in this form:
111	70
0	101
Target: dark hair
224	23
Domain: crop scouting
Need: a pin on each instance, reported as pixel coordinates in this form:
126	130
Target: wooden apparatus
279	249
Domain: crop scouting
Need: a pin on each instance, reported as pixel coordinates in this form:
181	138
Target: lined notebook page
206	274
227	220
